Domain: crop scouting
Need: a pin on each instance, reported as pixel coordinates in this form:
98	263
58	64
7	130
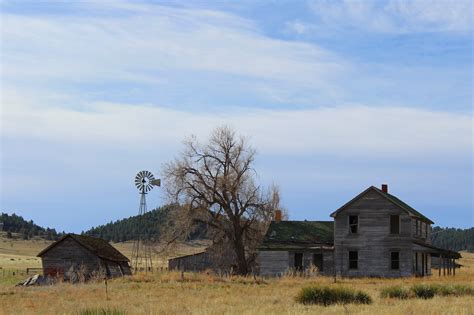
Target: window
417	227
394	224
426	231
353	224
298	261
353	259
395	260
318	261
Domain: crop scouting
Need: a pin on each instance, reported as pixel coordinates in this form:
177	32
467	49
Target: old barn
79	255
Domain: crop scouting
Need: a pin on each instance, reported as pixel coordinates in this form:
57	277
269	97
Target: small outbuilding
74	256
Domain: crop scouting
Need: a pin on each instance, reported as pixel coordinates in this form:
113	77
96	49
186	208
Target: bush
395	292
456	289
327	296
424	291
101	311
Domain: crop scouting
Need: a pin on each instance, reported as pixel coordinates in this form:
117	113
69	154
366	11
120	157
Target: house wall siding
277	262
373	241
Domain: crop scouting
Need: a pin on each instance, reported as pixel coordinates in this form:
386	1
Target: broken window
353	259
353	224
394	224
395	260
298	261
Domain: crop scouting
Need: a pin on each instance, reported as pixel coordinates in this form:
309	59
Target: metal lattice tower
141	252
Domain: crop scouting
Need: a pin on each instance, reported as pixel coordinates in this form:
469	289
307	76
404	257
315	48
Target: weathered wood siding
68	253
59	259
277	262
373	242
273	263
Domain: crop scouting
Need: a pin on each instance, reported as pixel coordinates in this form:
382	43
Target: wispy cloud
393	16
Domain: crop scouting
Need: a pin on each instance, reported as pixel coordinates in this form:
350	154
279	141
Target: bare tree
215	184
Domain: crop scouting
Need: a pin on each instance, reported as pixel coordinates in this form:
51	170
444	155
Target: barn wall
373	241
197	262
59	259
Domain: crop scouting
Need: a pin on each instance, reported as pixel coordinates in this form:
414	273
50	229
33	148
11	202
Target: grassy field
169	293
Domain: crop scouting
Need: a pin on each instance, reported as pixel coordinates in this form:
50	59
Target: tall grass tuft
395	292
424	291
101	311
327	296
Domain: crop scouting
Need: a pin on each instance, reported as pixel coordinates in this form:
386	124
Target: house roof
436	251
97	246
389	197
298	234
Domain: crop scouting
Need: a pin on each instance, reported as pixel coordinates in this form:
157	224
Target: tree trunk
242	266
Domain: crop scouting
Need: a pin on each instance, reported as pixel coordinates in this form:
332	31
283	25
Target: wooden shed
75	255
297	246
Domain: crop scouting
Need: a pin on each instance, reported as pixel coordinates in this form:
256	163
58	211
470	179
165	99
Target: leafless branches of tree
215	183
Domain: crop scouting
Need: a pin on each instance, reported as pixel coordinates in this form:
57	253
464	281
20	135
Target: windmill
141	252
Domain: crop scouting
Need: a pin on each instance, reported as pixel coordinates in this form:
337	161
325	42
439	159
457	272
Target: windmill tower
141	252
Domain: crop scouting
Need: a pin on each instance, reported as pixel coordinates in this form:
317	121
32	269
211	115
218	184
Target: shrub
456	289
395	292
424	291
327	296
101	311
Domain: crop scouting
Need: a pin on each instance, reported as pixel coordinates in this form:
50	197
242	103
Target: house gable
394	200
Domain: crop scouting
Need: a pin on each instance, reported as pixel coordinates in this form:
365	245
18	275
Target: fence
19	272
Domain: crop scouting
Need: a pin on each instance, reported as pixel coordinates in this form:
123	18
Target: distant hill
151	227
453	239
27	229
127	229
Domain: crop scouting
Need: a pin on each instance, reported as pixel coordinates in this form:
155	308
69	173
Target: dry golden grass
168	293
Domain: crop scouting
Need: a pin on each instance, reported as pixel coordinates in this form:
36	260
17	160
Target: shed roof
404	206
298	234
97	246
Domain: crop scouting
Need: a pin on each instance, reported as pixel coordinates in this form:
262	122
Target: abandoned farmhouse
78	255
375	234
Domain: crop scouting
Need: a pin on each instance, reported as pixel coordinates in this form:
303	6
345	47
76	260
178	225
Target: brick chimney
277	215
385	188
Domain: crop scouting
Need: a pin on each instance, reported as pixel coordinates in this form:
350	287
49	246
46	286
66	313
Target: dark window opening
417	229
353	260
299	261
426	231
395	260
318	261
394	224
353	223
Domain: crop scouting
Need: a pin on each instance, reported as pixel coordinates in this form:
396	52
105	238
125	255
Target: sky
335	96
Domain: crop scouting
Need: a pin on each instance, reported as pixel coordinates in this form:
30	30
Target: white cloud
356	130
397	16
148	39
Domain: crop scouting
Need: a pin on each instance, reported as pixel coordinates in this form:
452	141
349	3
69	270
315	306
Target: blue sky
334	95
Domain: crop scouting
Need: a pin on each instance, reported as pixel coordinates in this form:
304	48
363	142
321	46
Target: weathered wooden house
74	255
374	235
297	246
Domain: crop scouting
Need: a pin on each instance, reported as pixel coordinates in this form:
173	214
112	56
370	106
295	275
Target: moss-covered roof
298	234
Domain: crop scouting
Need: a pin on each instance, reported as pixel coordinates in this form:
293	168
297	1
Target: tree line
27	229
453	239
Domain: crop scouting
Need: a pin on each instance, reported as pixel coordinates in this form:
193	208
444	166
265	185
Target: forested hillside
28	229
151	226
454	239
